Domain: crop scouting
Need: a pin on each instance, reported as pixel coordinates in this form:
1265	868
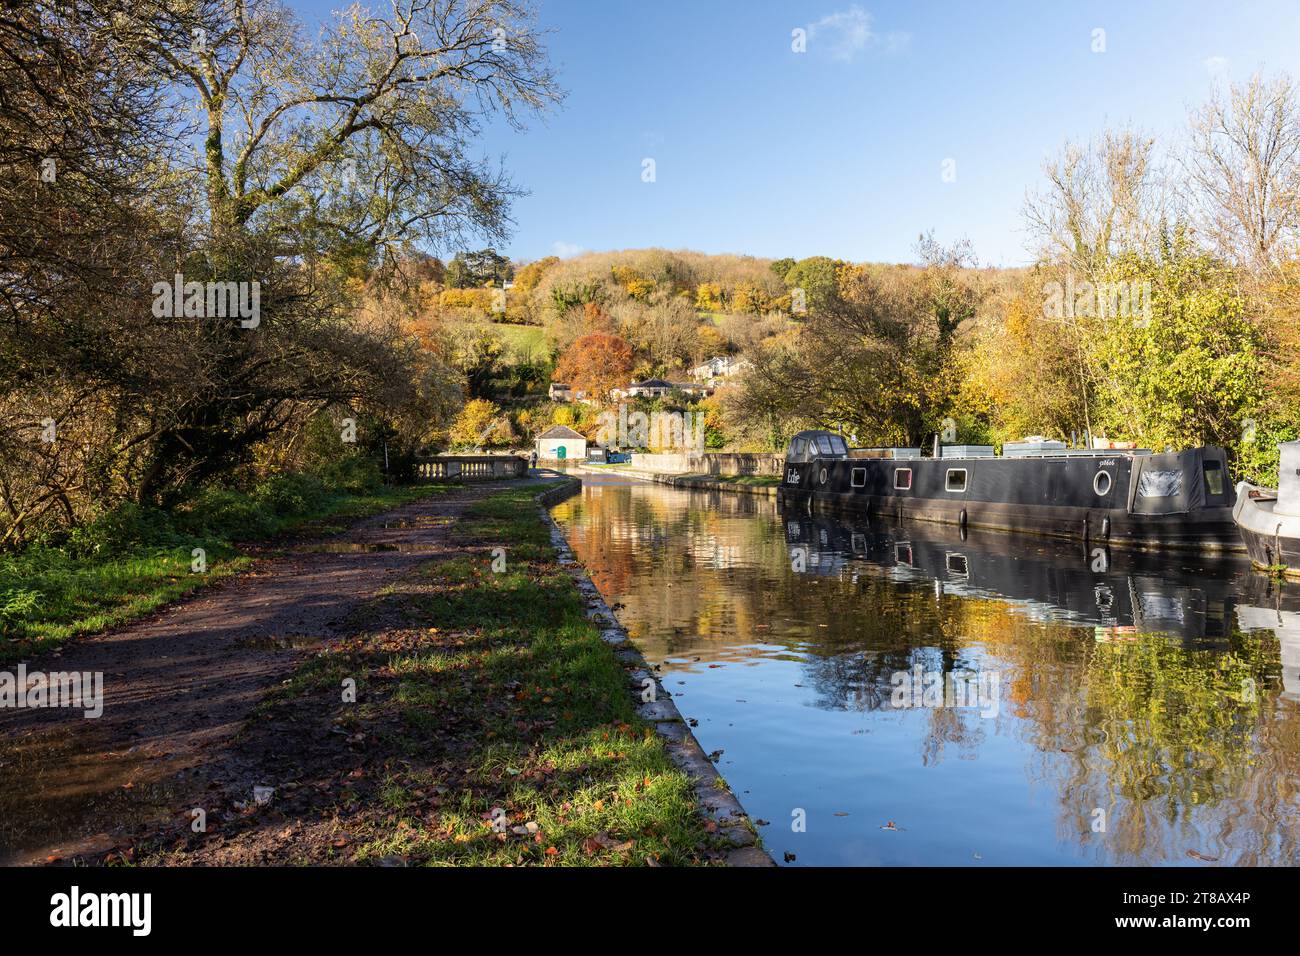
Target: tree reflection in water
1127	681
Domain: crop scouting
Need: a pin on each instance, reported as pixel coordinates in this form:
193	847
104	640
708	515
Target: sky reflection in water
1101	708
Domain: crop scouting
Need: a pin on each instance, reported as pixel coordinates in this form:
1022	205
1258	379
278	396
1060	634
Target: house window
956	480
903	479
859	477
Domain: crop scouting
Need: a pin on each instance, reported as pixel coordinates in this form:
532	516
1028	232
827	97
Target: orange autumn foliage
596	363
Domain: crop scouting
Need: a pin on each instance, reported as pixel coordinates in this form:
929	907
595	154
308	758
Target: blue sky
840	150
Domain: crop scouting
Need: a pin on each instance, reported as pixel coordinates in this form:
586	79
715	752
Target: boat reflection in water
1089	707
1118	593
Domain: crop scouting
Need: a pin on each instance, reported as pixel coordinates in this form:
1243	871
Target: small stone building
561	443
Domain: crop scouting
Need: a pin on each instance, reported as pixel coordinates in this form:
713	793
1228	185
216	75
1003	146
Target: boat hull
1272	540
1059	497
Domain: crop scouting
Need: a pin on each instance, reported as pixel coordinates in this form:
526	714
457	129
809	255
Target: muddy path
178	685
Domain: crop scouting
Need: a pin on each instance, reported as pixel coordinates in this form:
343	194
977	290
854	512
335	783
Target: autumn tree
877	358
349	145
319	157
480	424
596	363
527	277
817	276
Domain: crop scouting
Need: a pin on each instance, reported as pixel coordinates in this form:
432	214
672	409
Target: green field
523	341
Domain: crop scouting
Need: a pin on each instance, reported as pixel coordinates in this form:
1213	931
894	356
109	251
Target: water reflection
1146	709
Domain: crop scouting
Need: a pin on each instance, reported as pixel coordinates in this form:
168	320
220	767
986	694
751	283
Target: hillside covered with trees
1160	308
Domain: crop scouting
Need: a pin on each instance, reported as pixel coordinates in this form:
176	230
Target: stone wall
711	463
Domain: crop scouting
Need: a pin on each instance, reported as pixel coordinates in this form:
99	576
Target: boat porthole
1101	483
823	476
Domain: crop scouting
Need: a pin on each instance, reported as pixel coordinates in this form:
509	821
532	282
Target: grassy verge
492	726
50	594
765	481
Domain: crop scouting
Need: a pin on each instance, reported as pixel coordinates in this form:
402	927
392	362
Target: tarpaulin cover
1167	484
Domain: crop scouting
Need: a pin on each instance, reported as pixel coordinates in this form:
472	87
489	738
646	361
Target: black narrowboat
1128	499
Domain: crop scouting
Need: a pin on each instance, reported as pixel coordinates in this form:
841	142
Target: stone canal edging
696	482
716	801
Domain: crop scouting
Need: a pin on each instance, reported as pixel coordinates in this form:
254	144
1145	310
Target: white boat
1269	519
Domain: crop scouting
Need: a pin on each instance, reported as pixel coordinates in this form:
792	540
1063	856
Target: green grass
523	340
757	480
506	727
51	594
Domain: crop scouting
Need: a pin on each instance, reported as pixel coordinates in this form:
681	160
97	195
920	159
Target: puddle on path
56	787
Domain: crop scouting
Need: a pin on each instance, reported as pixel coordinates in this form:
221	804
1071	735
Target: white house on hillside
658	388
720	366
560	392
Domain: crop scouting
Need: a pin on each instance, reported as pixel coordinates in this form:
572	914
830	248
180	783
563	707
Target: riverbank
726	817
764	486
471	710
135	561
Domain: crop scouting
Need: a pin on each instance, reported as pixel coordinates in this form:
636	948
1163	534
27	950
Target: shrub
292	494
120	530
228	513
355	475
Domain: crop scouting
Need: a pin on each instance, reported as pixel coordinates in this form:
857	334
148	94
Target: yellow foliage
466	299
472	427
708	297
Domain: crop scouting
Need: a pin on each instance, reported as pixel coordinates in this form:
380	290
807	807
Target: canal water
898	694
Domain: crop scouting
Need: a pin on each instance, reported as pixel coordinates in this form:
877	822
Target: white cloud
565	250
846	33
1216	66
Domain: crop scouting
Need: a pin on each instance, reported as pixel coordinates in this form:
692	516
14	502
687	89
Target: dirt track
180	684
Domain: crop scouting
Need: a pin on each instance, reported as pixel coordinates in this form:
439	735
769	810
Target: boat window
797	448
824	445
957	565
837	446
1214	477
956	479
903	479
1101	483
859	477
903	554
1160	484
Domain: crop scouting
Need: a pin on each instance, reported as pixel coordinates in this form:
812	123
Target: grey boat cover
1167	484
